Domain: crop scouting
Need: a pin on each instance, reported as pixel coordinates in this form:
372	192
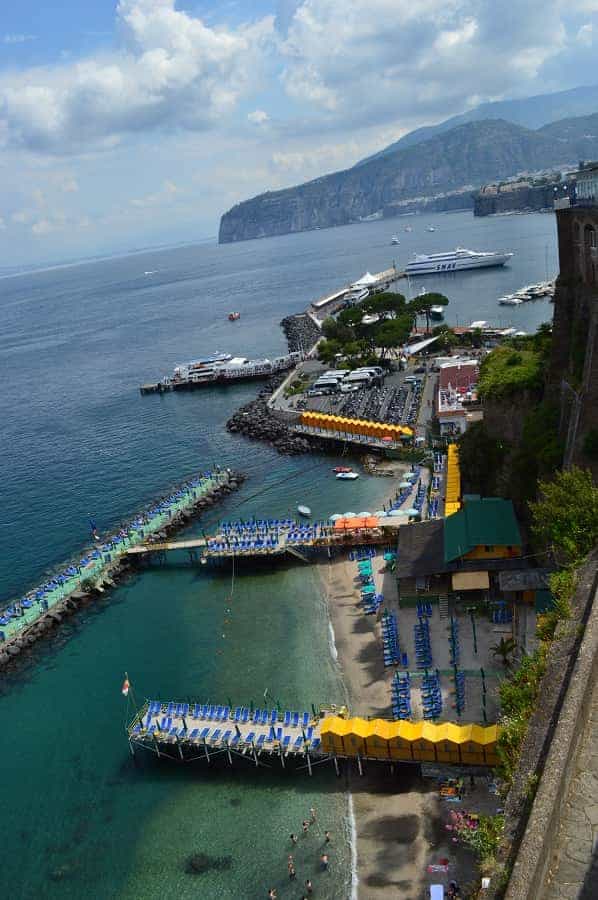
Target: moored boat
454	261
436	312
347	476
304	511
233	316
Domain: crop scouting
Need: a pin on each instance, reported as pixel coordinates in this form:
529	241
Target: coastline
391	815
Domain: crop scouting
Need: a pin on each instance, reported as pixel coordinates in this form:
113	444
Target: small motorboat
347	476
430	228
436	312
395	239
408	228
342	469
233	316
304	511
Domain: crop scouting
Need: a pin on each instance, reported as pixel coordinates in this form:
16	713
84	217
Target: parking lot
399	398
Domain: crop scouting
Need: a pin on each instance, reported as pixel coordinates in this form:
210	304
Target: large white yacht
455	260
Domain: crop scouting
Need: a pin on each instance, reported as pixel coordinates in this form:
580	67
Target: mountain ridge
458	160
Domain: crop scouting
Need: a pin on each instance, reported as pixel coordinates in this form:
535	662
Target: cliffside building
574	366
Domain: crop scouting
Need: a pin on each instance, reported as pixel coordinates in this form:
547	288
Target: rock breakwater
112	574
301	332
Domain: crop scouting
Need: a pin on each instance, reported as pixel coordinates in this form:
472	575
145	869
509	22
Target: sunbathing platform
187	731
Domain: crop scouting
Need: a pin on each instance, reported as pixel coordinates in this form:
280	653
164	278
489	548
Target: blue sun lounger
194	734
226	736
244	716
265	717
216	734
237	714
152	728
185	710
219	711
178	709
204	733
305	720
170	709
250	737
287	719
279	734
260	740
298	742
273	717
235	740
316	743
137	728
196	711
286	741
295	719
225	713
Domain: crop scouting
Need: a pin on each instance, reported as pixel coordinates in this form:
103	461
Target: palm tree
505	649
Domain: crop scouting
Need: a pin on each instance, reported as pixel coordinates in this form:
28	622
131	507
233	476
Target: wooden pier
188	731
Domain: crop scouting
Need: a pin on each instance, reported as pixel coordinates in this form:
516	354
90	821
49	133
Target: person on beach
327	837
272	894
312	814
294	839
309	887
292	873
324	862
290	861
305	827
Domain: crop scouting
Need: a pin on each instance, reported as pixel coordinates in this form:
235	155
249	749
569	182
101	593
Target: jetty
277	537
25	619
378	282
186	731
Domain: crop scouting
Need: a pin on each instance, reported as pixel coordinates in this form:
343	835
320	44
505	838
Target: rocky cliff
457	160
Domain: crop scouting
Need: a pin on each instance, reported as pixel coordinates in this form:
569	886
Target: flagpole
133	699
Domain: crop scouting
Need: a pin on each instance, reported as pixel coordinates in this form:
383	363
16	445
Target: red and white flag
125	688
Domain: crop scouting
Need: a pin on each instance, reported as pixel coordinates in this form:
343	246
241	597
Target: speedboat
233	316
510	300
436	312
408	228
347	476
395	239
304	511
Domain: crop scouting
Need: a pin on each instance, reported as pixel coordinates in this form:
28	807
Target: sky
128	123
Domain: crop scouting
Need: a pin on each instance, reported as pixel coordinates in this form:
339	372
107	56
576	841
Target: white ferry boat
510	300
454	261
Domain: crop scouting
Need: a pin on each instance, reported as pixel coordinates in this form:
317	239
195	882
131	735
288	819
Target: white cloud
173	72
165	195
258	117
585	35
377	60
18	38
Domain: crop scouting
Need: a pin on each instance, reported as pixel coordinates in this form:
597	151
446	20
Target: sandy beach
399	818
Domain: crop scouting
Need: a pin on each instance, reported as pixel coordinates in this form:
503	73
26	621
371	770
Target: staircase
297	553
443	607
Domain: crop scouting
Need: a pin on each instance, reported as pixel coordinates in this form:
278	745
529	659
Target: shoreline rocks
301	332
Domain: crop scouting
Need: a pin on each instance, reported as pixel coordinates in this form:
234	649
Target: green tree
388	305
447	339
422	304
565	518
392	333
505	649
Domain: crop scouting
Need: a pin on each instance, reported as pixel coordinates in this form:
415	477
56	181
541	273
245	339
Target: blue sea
78	440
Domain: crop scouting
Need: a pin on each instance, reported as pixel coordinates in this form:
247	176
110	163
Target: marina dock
188	731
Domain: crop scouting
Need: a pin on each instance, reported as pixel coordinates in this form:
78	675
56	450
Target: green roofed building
484	528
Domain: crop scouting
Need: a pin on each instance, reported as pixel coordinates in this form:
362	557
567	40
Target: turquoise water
80	819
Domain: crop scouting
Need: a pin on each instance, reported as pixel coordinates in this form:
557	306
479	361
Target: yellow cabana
490	741
378	743
357	736
448	745
400	740
332	734
472	748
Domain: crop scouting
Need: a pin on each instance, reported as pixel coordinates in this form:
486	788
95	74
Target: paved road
575	872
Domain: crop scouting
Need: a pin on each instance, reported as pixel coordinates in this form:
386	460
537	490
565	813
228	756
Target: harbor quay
24	620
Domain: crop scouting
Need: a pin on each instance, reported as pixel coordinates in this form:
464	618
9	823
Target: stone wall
550	747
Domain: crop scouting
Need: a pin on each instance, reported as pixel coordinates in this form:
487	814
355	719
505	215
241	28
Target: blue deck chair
226	736
257	716
196	711
286	741
250	737
237	714
244	716
309	733
194	734
137	728
295	719
273	717
315	743
178	709
219	711
287	719
170	709
152	728
305	720
260	740
204	733
234	740
298	742
215	735
185	710
265	717
225	713
279	734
